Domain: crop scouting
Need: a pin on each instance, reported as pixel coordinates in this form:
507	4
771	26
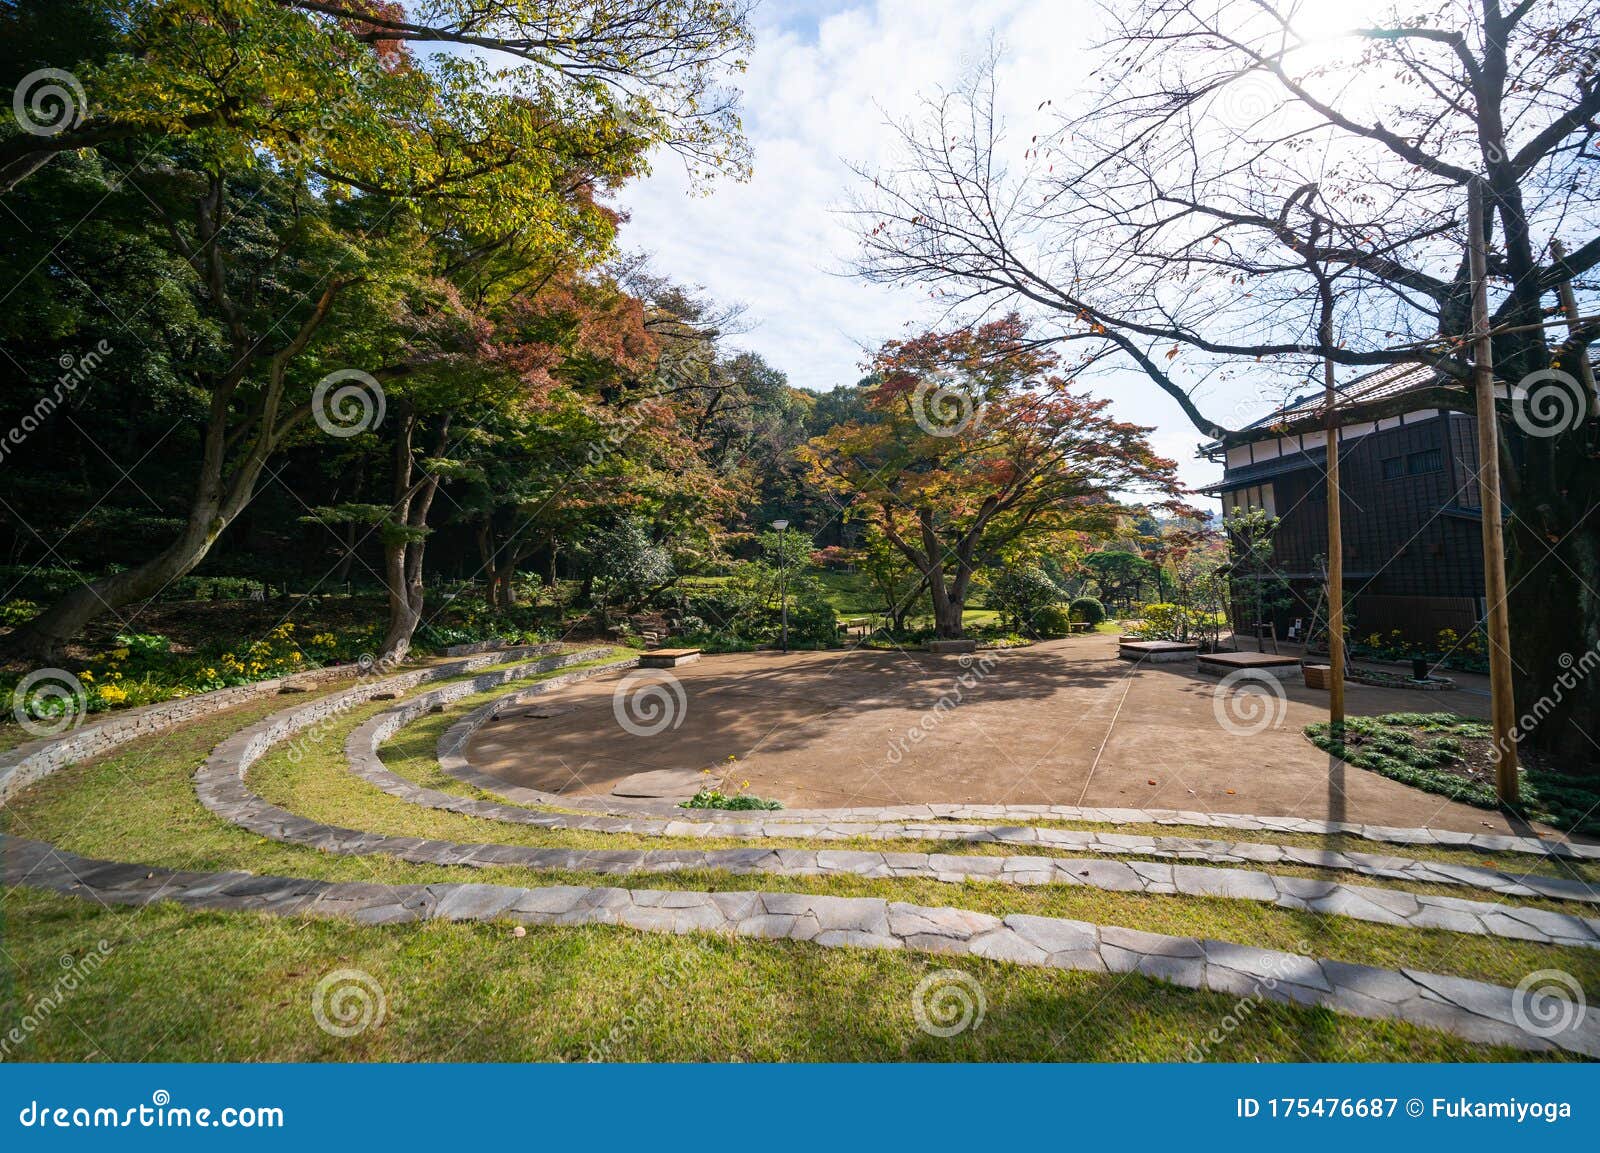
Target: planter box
1318	676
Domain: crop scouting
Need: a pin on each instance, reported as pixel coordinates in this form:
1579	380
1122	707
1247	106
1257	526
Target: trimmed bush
1087	609
1052	621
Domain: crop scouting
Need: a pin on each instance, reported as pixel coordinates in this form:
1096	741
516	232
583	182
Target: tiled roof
1390	381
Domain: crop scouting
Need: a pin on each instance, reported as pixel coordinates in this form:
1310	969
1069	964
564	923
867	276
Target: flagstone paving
1471	1009
1474	1010
1058	723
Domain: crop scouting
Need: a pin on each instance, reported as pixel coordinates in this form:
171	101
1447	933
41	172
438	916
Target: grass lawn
181	986
478	992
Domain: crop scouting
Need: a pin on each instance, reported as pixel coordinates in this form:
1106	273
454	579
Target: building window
1394	467
1420	462
1243	499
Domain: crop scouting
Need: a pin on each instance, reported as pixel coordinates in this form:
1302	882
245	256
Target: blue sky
823	79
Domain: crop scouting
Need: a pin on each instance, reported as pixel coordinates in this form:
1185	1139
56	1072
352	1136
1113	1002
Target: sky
825	79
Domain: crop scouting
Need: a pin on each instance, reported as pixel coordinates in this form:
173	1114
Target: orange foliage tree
972	444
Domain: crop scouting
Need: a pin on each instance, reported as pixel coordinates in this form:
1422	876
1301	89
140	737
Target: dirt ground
1063	722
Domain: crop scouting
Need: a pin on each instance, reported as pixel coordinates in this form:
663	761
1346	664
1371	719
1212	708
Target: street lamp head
780	525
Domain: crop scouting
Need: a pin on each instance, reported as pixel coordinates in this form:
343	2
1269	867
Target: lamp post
783	579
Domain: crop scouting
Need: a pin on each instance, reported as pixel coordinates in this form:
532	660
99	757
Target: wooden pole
1335	558
1504	710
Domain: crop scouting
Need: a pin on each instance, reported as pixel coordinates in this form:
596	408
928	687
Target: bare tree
1231	171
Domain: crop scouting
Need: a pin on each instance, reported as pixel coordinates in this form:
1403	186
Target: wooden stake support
1504	710
1335	559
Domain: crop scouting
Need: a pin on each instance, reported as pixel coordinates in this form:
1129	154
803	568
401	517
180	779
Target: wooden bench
851	626
1267	664
1157	652
667	658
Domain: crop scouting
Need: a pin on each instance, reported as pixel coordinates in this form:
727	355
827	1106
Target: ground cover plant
1450	755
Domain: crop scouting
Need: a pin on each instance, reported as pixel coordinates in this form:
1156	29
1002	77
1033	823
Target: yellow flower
86	675
112	695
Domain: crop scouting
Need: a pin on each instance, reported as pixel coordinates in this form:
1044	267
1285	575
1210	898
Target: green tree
359	241
978	446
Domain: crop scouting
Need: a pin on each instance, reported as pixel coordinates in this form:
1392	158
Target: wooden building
1413	551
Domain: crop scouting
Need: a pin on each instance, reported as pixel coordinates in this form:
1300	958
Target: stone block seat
1157	652
667	658
1267	664
961	646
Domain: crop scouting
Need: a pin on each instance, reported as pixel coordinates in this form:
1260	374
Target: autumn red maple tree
974	443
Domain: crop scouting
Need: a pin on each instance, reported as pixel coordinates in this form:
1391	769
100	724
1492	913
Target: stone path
33	760
222	788
1473	1010
363	760
454	763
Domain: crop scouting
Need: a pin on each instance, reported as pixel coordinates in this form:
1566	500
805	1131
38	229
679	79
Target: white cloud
821	83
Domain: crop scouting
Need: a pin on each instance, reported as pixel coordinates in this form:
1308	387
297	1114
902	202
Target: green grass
1428	751
181	986
141	806
465	992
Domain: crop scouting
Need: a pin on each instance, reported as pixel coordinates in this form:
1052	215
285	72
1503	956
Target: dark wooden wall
1412	542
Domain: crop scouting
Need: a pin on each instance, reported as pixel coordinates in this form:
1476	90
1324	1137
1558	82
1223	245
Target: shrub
1162	621
1087	609
1022	593
813	622
1052	621
16	612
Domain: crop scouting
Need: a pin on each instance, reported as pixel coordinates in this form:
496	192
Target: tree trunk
404	545
1552	571
949	600
223	490
215	505
487	557
45	637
